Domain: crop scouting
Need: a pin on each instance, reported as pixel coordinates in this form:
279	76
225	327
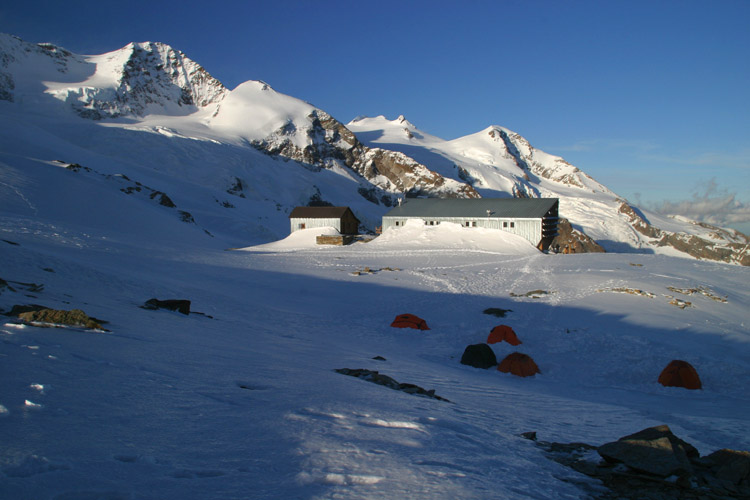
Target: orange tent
680	373
409	321
503	332
518	364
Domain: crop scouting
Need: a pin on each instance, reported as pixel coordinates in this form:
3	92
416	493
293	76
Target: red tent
680	373
518	364
409	321
503	332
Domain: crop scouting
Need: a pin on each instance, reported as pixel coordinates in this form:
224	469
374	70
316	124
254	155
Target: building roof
519	208
320	213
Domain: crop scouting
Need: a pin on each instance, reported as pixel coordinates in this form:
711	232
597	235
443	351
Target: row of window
467	223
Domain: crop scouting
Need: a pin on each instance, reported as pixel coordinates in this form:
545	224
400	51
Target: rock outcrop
329	142
655	450
178	305
54	317
725	246
654	463
384	380
571	240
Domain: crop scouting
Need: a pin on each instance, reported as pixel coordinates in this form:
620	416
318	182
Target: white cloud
714	205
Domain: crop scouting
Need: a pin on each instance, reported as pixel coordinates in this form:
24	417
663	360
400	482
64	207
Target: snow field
247	404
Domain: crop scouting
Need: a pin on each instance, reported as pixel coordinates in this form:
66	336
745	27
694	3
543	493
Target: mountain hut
340	218
532	218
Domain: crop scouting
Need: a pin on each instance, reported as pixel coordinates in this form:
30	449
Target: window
432	222
505	224
474	224
466	224
512	224
301	225
397	223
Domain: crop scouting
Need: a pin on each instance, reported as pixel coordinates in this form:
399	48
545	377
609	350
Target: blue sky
651	98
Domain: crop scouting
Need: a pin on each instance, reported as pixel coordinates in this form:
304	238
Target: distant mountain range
148	122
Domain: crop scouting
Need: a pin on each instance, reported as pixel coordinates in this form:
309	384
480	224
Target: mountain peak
138	79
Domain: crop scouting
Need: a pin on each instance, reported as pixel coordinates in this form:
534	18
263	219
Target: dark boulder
730	467
378	378
179	305
654	450
479	356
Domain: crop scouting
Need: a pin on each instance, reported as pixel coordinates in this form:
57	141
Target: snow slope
242	401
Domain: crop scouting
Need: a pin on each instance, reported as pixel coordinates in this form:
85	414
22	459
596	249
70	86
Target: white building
340	218
532	218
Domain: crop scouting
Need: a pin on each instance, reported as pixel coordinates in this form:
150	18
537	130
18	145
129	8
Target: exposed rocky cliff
148	75
330	143
722	245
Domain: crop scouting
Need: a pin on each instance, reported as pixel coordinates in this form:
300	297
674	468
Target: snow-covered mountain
237	161
498	162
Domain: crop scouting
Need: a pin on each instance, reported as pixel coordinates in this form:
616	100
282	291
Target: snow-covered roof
459	207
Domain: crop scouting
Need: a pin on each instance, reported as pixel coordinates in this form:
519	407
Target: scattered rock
534	294
479	356
28	287
164	200
186	217
379	358
12	243
179	305
5	286
529	435
52	317
730	466
699	290
368	270
631	291
237	188
655	464
497	312
654	451
682	304
377	378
